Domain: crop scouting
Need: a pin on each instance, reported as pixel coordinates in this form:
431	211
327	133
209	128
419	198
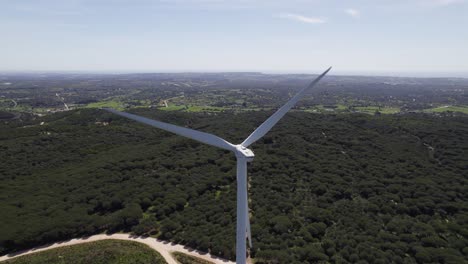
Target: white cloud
304	19
353	12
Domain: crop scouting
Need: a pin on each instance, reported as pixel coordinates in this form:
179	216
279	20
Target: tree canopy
337	188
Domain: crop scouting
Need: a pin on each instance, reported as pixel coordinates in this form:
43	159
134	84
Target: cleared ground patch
191	108
186	259
374	109
447	108
100	252
111	104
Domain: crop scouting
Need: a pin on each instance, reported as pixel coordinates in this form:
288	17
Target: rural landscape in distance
216	132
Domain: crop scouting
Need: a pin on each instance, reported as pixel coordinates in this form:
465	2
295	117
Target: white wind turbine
243	155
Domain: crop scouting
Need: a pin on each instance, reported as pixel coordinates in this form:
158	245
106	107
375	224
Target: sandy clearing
163	247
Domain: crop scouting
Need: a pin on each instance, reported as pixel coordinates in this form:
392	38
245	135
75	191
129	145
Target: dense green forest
99	252
343	188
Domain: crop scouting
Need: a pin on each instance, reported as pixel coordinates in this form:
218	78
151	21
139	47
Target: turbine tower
243	155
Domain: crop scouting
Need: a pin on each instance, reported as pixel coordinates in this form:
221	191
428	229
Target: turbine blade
182	131
272	120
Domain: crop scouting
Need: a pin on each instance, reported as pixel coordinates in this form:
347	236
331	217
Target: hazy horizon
463	75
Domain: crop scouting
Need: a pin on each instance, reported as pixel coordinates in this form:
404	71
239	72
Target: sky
406	37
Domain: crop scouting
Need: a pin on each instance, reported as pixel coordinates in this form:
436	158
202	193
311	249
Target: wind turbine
243	155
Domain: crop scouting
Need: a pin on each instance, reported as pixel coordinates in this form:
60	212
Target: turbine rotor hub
243	152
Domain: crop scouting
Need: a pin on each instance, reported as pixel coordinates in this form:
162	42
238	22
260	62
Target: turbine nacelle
243	152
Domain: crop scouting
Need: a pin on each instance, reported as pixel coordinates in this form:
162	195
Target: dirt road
164	248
